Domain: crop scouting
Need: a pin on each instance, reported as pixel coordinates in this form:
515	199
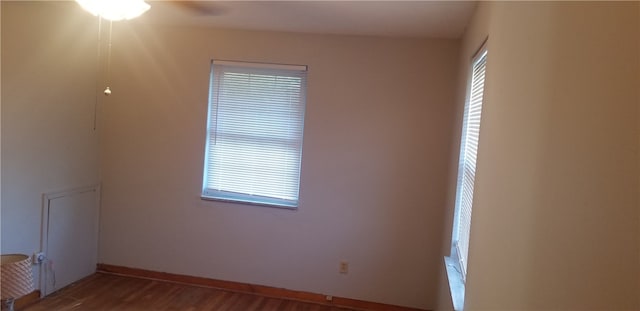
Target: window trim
480	53
247	199
210	194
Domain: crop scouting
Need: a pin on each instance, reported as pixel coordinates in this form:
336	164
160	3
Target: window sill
244	201
456	284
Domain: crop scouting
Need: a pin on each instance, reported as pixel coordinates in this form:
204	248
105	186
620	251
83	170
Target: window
254	133
467	165
456	264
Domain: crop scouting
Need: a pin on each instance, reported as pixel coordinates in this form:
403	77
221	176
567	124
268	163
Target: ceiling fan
115	10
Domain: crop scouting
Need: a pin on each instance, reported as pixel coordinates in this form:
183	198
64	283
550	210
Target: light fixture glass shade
115	10
16	276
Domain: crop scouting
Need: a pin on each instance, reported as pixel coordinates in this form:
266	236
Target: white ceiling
437	19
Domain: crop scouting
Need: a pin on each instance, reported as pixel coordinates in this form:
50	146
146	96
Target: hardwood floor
111	292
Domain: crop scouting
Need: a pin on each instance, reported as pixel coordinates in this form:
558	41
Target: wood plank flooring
111	292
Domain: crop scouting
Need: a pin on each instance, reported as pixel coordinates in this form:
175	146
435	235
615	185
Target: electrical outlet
38	258
344	267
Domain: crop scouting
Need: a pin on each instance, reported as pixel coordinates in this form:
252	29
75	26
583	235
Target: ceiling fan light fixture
115	10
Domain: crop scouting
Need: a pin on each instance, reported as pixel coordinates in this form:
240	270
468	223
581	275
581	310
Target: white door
71	237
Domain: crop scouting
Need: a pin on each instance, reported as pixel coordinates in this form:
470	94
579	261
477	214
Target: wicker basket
16	276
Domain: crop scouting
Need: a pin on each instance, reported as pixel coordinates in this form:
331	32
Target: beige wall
557	213
0	128
48	141
376	149
555	222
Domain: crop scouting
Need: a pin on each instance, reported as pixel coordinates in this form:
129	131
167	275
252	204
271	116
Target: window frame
455	251
258	68
456	266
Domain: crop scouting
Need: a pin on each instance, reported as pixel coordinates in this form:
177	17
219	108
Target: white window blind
468	155
254	133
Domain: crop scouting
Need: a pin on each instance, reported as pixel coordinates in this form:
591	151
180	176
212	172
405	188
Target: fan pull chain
107	91
95	105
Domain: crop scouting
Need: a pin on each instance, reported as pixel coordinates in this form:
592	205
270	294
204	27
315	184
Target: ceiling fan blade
209	8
